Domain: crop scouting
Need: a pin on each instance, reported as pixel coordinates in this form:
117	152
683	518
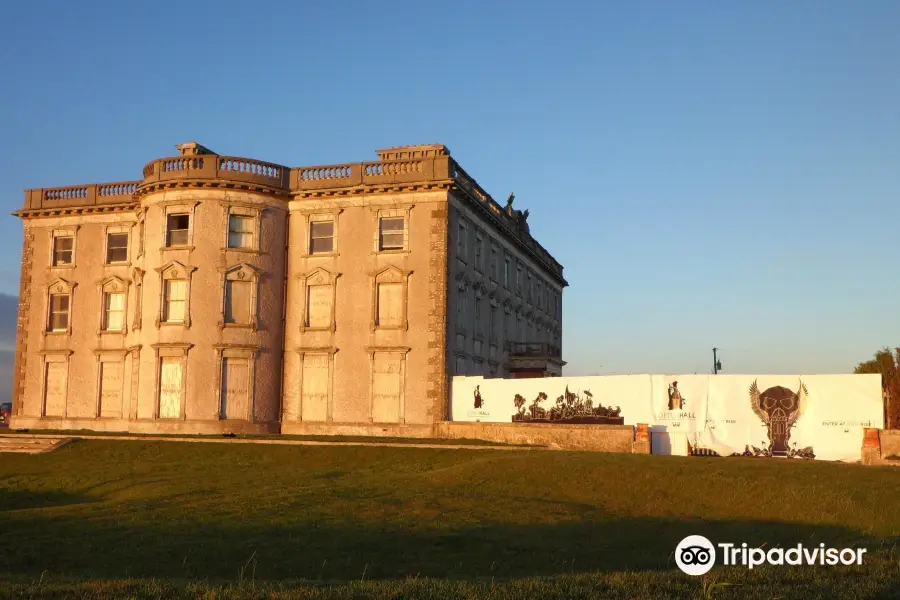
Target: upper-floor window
174	300
240	231
462	244
237	301
59	312
506	268
391	233
479	251
519	280
178	229
495	257
63	250
540	295
530	288
116	248
321	237
113	311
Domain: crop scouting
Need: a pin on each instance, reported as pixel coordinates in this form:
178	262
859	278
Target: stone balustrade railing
213	167
80	195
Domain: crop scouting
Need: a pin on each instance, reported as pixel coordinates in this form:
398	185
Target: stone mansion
222	294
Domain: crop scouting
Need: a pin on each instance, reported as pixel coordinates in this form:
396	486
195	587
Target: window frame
313	237
479	251
178	351
390	274
113	285
174	270
315	277
241	272
117	230
58	234
462	240
404	212
249	353
58	287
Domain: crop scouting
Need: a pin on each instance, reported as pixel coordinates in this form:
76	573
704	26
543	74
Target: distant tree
887	364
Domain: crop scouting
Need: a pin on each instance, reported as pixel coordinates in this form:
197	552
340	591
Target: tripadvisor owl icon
695	555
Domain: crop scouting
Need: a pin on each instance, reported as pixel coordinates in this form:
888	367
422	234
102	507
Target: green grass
148	519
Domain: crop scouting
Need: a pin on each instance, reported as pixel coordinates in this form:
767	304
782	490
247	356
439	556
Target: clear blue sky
709	173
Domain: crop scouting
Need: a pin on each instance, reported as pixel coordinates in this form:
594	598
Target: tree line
886	362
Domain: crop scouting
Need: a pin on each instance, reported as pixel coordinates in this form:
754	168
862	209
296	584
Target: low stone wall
601	438
890	442
142	426
357	429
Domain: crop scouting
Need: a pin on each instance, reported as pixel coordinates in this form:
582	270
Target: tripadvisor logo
696	555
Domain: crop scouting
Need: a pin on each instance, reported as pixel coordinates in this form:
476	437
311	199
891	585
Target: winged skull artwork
779	408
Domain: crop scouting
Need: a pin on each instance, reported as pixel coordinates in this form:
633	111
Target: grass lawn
149	519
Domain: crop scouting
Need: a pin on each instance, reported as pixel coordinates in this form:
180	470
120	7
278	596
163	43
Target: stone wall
600	438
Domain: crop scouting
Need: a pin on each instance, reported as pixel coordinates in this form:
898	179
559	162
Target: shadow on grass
22	500
74	548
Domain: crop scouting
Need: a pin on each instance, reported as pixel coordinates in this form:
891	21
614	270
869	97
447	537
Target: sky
710	174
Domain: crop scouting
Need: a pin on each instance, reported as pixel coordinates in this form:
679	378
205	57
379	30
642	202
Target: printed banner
793	416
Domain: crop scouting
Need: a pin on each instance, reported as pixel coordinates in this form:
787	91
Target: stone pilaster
22	321
437	315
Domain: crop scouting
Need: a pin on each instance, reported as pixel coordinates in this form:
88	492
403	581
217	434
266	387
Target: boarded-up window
170	388
386	388
176	292
237	302
113	311
236	388
240	231
321	237
390	304
55	385
59	312
318	305
111	388
314	387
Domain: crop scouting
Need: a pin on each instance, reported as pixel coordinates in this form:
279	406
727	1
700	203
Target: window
177	228
479	251
237	302
113	311
530	288
390	233
240	231
540	295
462	242
478	323
175	296
506	273
321	236
495	323
461	309
59	312
63	250
390	305
116	248
494	265
519	280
